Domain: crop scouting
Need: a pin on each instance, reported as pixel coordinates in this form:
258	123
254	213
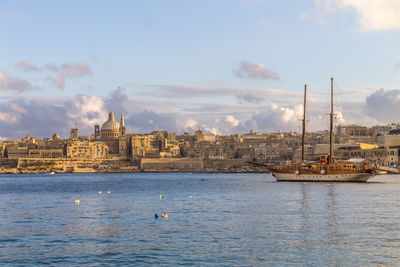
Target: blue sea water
214	219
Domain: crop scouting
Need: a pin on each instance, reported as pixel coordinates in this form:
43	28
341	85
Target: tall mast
304	124
331	125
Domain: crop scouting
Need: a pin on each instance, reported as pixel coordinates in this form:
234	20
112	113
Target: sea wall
223	164
39	165
177	164
60	164
185	164
8	163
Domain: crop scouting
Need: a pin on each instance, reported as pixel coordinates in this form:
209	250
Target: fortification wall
223	164
171	164
60	163
8	163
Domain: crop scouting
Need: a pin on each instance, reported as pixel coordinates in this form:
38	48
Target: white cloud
372	15
86	110
276	118
187	124
375	15
255	71
231	120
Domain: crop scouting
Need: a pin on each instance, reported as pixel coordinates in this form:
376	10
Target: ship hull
342	177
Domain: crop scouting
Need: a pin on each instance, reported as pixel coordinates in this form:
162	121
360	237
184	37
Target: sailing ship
326	169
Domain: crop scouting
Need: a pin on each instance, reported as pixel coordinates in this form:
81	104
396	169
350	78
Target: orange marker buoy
77	201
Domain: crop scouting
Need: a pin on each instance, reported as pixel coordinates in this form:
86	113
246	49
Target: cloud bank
23	116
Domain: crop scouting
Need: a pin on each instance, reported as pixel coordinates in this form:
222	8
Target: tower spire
122	120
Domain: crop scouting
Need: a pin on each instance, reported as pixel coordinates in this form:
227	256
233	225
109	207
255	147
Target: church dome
56	136
110	124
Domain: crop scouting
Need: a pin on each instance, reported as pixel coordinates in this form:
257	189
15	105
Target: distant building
73	134
113	134
87	149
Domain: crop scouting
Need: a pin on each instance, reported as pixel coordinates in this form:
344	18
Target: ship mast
304	124
331	125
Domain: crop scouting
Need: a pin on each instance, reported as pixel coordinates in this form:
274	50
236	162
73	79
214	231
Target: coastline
15	171
125	165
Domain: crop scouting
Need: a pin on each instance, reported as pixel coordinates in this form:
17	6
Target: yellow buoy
160	196
100	192
190	196
77	201
217	187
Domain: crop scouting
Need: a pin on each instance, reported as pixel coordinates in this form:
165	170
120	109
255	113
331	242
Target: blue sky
223	66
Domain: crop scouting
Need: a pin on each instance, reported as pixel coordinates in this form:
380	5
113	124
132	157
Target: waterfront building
46	153
142	146
2	150
158	144
16	151
87	150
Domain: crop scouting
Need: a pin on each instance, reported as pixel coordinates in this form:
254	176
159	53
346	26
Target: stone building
87	149
113	134
158	144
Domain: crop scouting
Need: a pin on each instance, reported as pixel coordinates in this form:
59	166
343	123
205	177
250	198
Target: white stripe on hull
347	177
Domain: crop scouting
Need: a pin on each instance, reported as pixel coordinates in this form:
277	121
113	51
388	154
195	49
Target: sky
226	66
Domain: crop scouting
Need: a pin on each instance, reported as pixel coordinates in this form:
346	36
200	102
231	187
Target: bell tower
122	130
122	138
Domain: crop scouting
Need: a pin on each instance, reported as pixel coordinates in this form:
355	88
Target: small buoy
189	196
160	196
217	187
100	192
156	216
77	201
108	192
164	215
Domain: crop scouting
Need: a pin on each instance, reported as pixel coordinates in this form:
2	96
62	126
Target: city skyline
224	67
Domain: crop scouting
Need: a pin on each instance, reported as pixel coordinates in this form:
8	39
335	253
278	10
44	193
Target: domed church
111	128
113	134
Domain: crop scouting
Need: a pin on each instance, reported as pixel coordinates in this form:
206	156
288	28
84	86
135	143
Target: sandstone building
113	134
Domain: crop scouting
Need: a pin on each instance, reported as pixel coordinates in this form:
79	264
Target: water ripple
250	220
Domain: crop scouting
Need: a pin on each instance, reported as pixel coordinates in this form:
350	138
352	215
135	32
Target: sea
213	220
